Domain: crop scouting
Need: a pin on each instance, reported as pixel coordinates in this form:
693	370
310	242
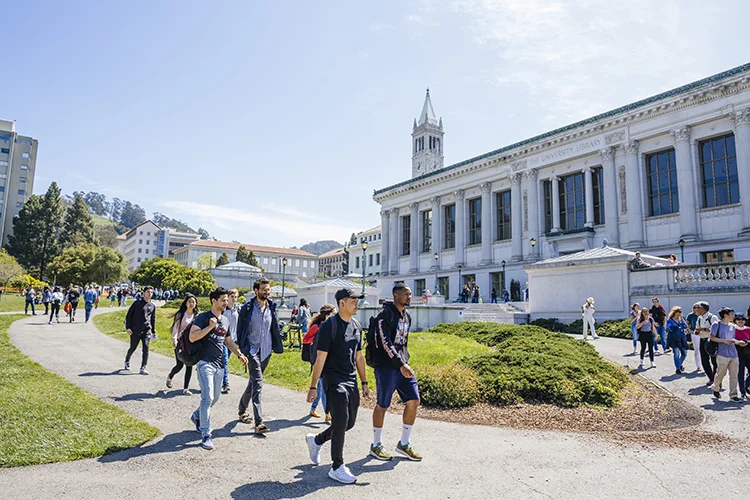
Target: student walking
659	315
390	359
72	298
212	327
635	311
339	354
742	333
677	328
180	321
588	310
692	321
89	298
703	328
308	340
259	335
29	293
493	296
304	315
112	298
140	323
55	301
46	298
646	333
232	314
726	356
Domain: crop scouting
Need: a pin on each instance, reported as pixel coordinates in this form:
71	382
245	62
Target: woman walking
180	321
46	298
588	310
677	327
635	311
55	301
742	333
646	335
325	311
72	299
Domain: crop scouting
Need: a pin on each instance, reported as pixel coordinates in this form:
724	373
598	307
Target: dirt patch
647	416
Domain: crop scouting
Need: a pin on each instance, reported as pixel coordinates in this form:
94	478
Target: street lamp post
364	254
682	250
533	244
459	285
283	281
503	283
437	289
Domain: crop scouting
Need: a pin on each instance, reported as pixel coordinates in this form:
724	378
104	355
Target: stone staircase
495	313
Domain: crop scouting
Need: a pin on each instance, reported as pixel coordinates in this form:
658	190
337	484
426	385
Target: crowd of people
333	344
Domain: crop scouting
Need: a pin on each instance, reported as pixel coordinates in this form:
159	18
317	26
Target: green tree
35	241
243	255
204	234
222	260
187	279
206	261
97	203
154	272
115	210
88	263
132	215
106	235
109	266
9	268
78	227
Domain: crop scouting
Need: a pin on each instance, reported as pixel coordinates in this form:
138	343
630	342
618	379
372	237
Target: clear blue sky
272	122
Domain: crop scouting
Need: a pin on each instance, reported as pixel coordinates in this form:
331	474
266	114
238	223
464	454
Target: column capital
587	169
485	187
414	207
554	178
459	194
741	117
435	201
631	148
385	212
515	179
608	154
394	212
531	174
681	134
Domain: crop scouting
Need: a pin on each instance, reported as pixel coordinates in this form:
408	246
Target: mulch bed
647	416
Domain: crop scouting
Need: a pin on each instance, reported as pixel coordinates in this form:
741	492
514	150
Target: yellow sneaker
314	414
407	451
380	453
328	417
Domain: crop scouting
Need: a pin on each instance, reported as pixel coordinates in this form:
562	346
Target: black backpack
334	328
371	341
188	352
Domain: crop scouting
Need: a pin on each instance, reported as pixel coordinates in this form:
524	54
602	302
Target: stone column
486	190
611	225
685	184
414	239
393	252
516	213
460	226
588	201
555	204
533	189
437	245
635	208
742	145
384	247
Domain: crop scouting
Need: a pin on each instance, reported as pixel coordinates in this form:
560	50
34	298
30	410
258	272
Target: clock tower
426	141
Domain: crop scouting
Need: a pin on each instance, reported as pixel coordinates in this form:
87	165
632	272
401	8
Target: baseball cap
346	293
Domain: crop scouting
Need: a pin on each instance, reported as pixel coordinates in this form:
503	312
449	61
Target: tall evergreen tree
35	241
222	260
132	215
242	255
78	227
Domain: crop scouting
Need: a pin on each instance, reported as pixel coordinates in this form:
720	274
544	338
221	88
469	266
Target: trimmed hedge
451	386
531	364
617	328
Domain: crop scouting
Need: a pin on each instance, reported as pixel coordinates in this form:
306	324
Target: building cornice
700	92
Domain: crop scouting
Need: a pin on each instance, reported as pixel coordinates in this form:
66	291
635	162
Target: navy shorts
388	380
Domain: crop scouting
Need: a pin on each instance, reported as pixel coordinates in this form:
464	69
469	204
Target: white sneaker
127	365
144	371
641	365
169	382
653	365
313	448
342	475
596	337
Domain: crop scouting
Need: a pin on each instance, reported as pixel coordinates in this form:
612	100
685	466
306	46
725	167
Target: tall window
420	286
661	170
502	204
405	235
572	209
547	189
475	221
597	178
356	264
444	286
449	212
427	231
719	170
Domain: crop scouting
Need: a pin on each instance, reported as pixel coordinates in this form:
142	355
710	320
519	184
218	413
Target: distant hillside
321	247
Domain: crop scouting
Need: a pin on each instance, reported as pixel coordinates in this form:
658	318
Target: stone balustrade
722	275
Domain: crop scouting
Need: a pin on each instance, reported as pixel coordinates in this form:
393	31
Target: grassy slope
44	418
12	302
288	369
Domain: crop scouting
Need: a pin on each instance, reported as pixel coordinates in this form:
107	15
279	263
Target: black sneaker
717	394
196	421
736	399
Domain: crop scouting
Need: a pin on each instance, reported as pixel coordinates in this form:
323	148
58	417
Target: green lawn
13	302
44	418
288	370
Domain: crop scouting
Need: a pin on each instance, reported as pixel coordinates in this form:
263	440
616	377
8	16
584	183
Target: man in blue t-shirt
212	328
89	297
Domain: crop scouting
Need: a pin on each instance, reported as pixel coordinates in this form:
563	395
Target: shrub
551	324
204	303
617	328
450	386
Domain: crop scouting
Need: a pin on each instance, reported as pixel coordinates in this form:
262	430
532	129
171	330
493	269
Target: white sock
377	433
406	433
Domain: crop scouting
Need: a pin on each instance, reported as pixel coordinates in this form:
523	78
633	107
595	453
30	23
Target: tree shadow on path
103	374
161	394
170	443
311	479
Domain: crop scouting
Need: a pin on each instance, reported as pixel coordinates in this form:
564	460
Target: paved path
460	461
722	416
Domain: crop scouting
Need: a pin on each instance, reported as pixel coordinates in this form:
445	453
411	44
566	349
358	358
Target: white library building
667	174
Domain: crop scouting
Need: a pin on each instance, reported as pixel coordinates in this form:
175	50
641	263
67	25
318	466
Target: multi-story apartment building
332	263
667	174
369	259
17	167
148	240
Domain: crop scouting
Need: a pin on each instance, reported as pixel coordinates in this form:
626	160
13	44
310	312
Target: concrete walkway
460	461
722	416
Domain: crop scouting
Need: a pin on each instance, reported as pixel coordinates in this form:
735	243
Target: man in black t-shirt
212	328
140	323
338	360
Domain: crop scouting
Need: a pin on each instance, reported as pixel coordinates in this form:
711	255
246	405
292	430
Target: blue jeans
26	309
209	378
89	306
227	353
494	300
321	397
634	334
679	353
663	336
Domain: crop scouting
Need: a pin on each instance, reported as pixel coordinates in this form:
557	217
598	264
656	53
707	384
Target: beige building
149	240
371	257
17	167
332	263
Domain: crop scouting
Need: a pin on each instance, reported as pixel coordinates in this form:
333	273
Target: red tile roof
254	248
